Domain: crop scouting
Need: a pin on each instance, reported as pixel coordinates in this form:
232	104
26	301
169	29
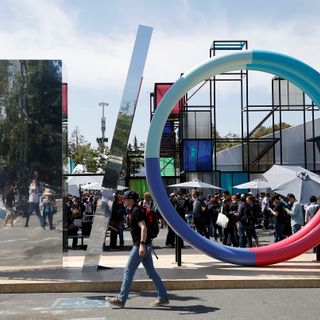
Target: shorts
9	212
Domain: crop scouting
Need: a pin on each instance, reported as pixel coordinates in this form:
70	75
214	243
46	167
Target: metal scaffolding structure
190	140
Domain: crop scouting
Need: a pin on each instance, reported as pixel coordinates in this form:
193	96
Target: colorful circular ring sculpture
304	77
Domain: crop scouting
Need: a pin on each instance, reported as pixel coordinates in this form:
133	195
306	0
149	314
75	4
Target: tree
81	151
76	140
31	130
263	131
227	141
134	158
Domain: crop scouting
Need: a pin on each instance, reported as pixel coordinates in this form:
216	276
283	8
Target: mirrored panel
127	108
30	163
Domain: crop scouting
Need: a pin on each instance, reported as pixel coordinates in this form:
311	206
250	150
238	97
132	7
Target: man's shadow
186	309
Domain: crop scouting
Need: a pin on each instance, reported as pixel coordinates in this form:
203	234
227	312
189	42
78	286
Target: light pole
103	139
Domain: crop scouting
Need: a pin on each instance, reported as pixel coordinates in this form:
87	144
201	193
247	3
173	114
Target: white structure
292	149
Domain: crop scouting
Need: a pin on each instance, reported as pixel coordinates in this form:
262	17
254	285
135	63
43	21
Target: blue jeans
50	218
130	269
34	206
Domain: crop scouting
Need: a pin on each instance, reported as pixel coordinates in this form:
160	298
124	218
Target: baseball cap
131	195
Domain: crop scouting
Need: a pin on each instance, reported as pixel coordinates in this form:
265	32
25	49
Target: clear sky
95	40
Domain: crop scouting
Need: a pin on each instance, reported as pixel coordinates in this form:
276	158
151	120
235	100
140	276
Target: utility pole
103	139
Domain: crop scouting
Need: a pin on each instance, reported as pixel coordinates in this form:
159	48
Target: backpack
47	208
152	222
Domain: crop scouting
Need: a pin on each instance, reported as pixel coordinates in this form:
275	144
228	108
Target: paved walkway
197	271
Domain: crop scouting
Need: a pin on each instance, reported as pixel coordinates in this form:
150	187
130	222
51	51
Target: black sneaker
115	302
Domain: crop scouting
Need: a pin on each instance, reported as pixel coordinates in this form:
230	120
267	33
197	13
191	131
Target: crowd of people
245	212
80	212
40	200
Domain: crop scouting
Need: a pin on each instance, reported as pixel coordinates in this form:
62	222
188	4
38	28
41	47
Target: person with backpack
47	208
141	252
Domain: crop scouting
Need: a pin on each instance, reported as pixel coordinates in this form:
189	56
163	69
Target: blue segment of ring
302	75
224	253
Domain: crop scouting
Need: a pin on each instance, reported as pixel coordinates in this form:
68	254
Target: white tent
91	186
294	179
254	184
79	180
73	189
75	182
196	184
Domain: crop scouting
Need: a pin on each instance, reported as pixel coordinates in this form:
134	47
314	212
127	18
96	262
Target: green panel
238	178
140	186
226	181
167	167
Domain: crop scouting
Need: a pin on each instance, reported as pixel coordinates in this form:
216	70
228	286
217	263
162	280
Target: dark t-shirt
137	215
281	218
9	198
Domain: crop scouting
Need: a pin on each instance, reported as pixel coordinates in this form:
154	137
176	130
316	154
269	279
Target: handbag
222	220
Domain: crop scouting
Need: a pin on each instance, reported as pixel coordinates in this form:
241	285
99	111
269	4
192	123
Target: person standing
171	236
246	223
280	216
213	211
265	205
34	201
47	208
116	221
198	218
9	202
141	252
311	209
231	229
295	213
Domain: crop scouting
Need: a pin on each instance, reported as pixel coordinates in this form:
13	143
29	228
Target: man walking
34	203
140	253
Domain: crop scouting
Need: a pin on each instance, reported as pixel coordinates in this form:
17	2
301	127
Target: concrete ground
239	304
33	263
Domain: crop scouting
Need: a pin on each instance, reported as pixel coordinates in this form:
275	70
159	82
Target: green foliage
260	132
81	152
263	131
121	134
134	158
30	133
227	143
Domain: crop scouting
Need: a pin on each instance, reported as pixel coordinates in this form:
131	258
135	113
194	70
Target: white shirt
34	194
311	210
